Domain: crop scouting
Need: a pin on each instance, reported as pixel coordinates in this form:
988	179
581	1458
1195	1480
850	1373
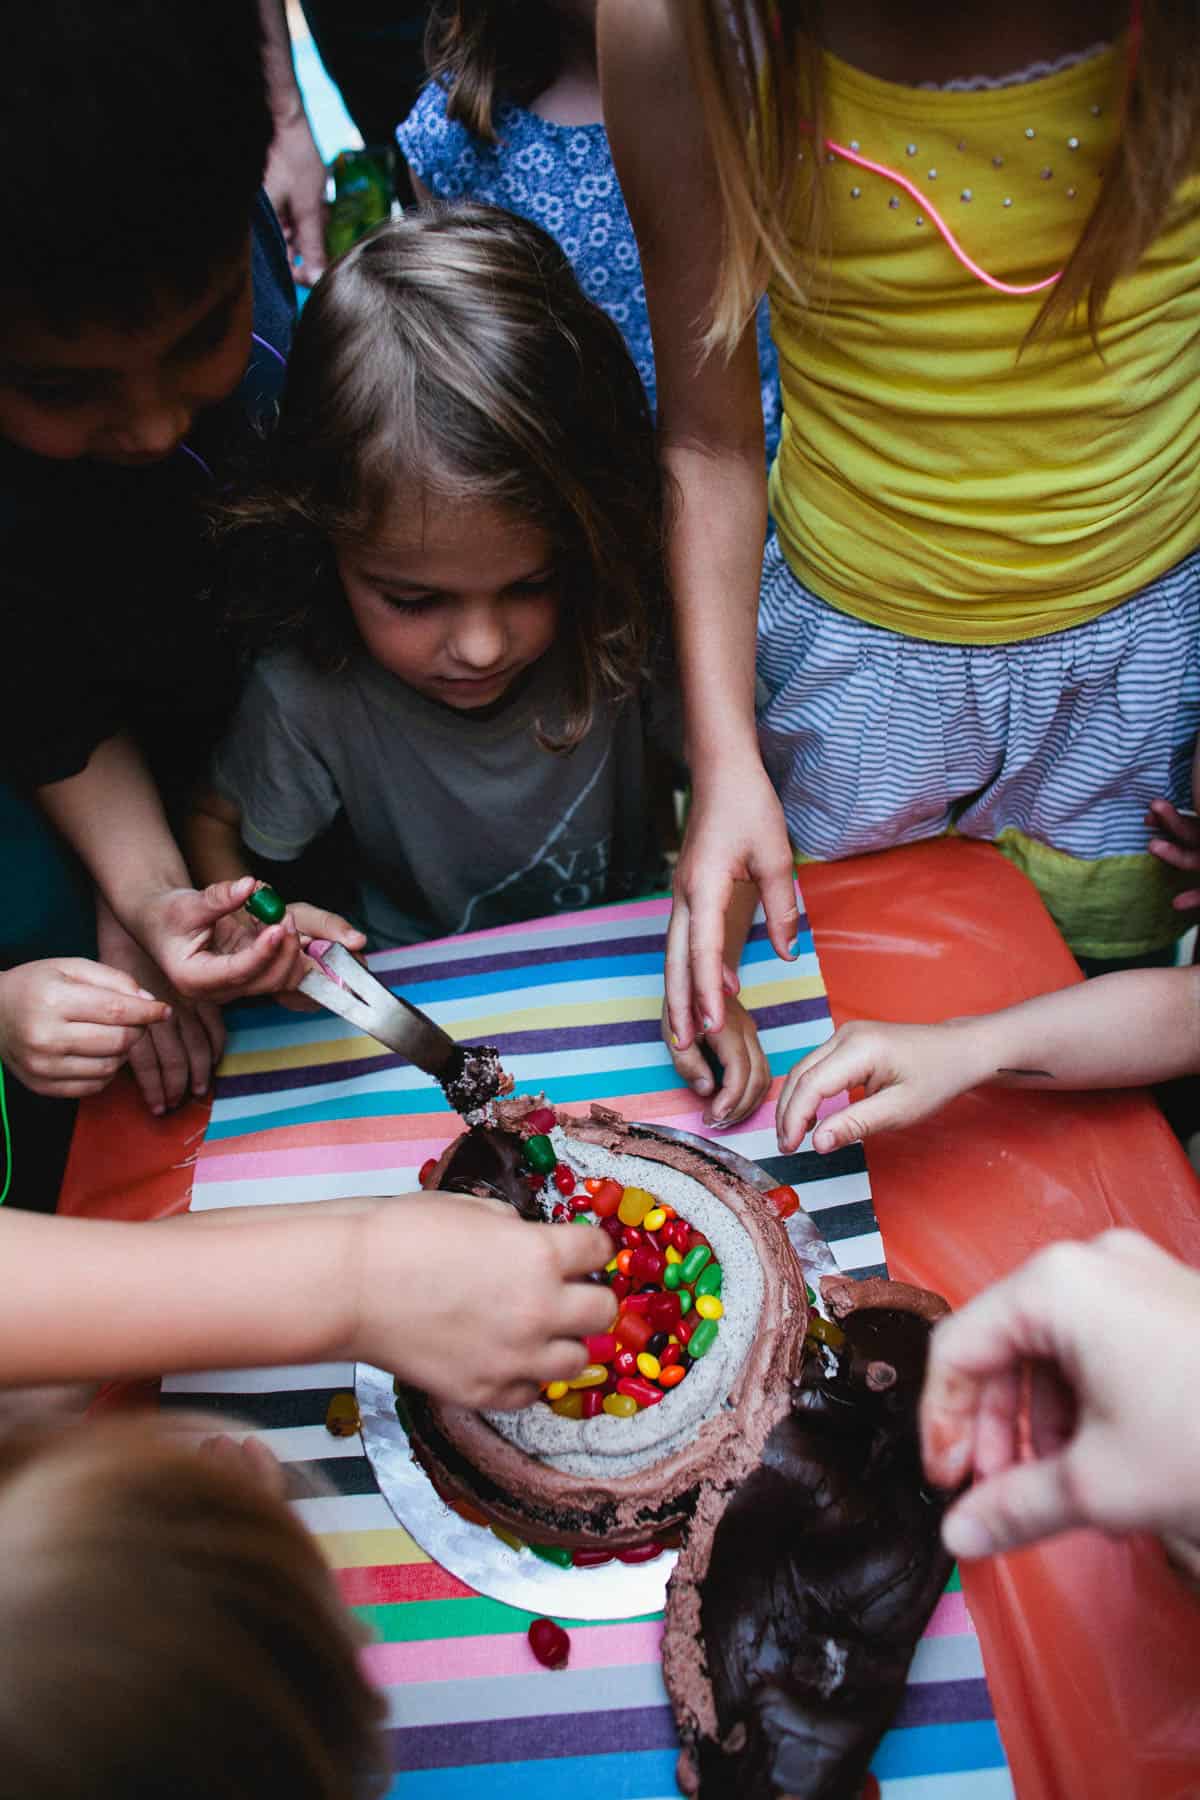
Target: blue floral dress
561	177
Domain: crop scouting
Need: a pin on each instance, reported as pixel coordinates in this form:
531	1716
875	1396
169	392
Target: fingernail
702	1086
146	994
201	1090
794	947
966	1536
706	1022
674	1040
158	1111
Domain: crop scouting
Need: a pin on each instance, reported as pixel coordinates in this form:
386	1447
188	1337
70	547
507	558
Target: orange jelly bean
671	1376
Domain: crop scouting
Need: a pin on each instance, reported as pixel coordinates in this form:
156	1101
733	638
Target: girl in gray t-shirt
451	567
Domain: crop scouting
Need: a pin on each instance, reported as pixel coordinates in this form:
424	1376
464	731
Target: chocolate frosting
796	1606
485	1160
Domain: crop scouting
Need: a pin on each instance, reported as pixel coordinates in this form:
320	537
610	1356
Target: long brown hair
760	109
168	1630
486	51
453	356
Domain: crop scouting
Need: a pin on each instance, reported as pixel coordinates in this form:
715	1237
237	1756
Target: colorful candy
555	1390
703	1338
593	1401
549	1643
619	1405
654	1219
553	1553
569	1407
541	1120
342	1416
671	1376
425	1176
594	1375
635	1387
633	1331
709	1307
564	1178
694	1261
673	1273
640	1553
540	1153
824	1331
591	1559
601	1347
649	1366
606	1198
785	1200
709	1280
635	1204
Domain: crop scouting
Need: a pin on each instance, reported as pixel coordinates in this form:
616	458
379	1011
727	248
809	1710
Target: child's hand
1177	843
746	1073
460	1297
177	1056
908	1071
313	923
67	1025
209	948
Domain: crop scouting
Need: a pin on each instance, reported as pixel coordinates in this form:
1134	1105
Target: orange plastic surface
1092	1648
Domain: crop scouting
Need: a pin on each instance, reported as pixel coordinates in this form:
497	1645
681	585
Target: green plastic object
265	905
362	197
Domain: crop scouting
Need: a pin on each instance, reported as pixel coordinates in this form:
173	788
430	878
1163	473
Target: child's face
456	600
126	397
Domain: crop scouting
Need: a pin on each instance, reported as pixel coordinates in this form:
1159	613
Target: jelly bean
591	1559
784	1199
672	1255
709	1307
635	1204
559	1214
658	1343
709	1280
673	1273
564	1178
591	1376
610	1268
532	1182
593	1400
681	1231
541	1119
704	1337
612	1225
685	1328
632	1237
624	1259
579	1203
633	1332
824	1331
639	1303
694	1261
620	1406
640	1553
671	1376
342	1416
540	1153
508	1537
625	1362
685	1303
809	1295
670	1354
471	1514
265	905
635	1388
553	1553
576	1218
649	1366
601	1347
555	1390
569	1407
607	1198
427	1167
685	1360
654	1218
549	1643
645	1265
620	1286
663	1311
592	1182
669	1210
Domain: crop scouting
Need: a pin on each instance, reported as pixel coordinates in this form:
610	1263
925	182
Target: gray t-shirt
459	823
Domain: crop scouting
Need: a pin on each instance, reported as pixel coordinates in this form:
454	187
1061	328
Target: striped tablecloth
305	1108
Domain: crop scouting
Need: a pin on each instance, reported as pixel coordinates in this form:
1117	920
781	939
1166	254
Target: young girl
979	231
455	556
170	1629
512	116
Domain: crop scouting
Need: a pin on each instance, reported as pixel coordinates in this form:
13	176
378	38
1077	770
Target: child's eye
52	393
410	604
535	584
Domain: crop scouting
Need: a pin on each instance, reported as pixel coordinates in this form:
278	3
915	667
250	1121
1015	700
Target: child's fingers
144	1066
197	1050
746	1075
1019	1506
1179	856
996	1424
122	1007
691	1066
677	977
777	890
513	1396
858	1121
706	945
1187	902
821	1075
581	1251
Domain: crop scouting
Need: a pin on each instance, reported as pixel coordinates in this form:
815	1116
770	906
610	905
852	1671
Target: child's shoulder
456	164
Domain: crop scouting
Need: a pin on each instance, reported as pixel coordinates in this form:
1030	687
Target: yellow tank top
932	477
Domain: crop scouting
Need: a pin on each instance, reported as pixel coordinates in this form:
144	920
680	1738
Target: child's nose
150	421
479	637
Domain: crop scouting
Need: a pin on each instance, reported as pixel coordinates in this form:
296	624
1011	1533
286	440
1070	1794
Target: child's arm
1117	1031
455	1294
745	1071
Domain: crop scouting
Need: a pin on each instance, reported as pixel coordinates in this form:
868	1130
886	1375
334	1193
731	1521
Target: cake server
340	983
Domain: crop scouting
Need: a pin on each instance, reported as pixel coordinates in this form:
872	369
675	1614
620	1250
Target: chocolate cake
799	1597
610	1480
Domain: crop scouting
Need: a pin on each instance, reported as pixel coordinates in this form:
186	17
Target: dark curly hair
453	354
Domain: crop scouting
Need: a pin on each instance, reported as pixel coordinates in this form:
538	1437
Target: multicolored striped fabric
305	1108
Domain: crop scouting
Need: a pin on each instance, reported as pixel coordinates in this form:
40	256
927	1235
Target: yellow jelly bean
507	1537
649	1366
594	1375
709	1307
824	1331
635	1204
672	1339
654	1218
673	1255
621	1406
555	1390
610	1268
569	1407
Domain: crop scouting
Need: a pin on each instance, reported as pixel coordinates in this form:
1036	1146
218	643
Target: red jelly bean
625	1362
685	1327
593	1402
564	1178
601	1347
644	1392
620	1286
541	1120
640	1553
696	1240
613	1227
647	1265
559	1213
632	1237
633	1332
681	1231
663	1311
607	1198
672	1355
593	1182
427	1168
785	1200
591	1559
549	1643
579	1203
638	1303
